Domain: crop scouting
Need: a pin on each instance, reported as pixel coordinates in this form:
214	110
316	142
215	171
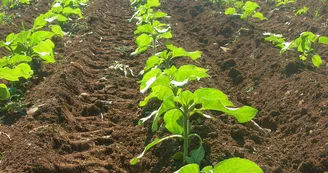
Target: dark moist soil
87	113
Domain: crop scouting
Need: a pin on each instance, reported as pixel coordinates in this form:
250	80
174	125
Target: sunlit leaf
190	168
316	60
237	165
4	92
174	121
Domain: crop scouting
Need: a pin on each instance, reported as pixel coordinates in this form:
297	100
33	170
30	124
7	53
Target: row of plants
166	83
6	4
32	46
5	16
306	46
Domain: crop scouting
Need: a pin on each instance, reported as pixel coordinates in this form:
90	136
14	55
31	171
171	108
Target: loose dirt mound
88	113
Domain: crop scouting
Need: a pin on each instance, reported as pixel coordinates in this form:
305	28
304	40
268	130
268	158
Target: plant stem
185	133
154	45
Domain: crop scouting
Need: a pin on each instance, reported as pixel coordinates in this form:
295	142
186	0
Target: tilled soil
87	113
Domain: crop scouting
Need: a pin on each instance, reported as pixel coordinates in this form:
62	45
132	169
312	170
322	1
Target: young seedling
5	18
164	60
178	105
233	165
302	11
150	29
306	45
245	11
29	44
280	3
167	83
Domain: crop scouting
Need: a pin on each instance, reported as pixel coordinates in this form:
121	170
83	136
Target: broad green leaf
316	60
23	37
24	1
174	121
207	169
148	77
211	94
39	22
237	165
166	35
159	92
56	29
302	10
178	52
303	57
243	114
230	11
166	105
197	155
152	3
61	18
323	40
170	71
10	38
160	26
146	28
143	41
45	51
39	36
312	37
259	16
250	7
185	98
13	74
149	146
4	92
151	62
69	11
14	60
159	14
189	72
239	5
178	155
190	168
5	2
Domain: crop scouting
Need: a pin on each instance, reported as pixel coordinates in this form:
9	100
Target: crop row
164	81
32	46
306	45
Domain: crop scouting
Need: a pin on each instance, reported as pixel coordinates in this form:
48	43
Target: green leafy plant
165	82
5	18
164	59
302	11
317	14
306	45
233	165
31	44
178	106
245	10
280	3
61	12
149	28
14	3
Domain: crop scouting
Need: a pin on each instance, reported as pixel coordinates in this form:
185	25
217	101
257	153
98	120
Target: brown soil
88	113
